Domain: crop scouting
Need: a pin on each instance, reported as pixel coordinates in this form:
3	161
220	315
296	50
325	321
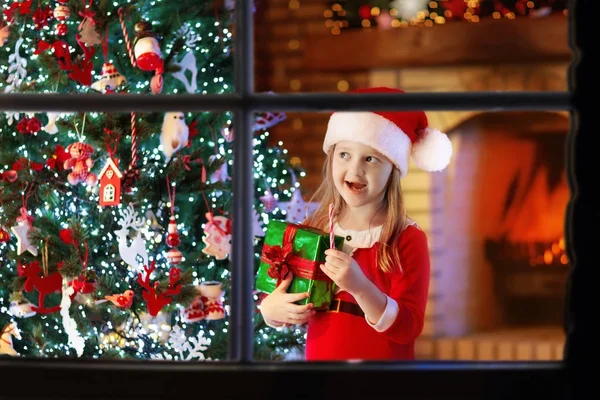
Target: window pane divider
491	101
243	103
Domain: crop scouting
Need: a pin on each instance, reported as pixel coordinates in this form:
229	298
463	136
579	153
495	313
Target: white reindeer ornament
130	252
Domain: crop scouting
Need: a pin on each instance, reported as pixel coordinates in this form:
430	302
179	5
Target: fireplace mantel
488	42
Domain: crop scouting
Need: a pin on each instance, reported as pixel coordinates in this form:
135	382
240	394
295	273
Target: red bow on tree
24	8
58	158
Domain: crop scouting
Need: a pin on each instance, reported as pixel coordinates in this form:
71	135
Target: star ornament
297	209
21	231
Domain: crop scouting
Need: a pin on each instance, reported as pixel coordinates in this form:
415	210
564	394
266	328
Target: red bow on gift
278	258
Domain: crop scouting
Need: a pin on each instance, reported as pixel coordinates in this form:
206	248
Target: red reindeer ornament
156	300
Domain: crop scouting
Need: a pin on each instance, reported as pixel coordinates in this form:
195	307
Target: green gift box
301	250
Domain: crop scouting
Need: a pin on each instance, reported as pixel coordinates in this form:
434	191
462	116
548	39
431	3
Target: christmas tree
115	228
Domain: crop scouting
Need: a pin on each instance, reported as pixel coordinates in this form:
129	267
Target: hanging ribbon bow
223	230
25	217
187	161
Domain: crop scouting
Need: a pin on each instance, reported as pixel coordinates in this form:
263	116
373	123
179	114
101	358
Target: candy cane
331	235
127	41
133	116
133	141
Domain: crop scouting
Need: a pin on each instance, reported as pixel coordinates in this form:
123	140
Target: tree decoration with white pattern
188	62
75	339
17	72
187	348
137	248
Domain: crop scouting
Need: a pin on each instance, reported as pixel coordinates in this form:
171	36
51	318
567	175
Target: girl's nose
357	169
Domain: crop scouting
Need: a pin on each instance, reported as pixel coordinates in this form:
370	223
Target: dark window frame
240	376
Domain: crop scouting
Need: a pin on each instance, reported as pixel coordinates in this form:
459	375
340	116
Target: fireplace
501	213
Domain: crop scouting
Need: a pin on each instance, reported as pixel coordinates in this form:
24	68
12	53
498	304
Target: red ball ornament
364	12
174	256
4	235
172	235
22	125
34	125
62	13
61	29
456	7
173	239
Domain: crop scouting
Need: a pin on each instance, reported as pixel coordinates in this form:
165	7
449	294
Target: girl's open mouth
355	187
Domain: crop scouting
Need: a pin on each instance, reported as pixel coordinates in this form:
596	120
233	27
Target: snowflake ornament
187	348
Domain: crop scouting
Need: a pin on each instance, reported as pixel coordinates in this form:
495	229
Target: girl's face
360	173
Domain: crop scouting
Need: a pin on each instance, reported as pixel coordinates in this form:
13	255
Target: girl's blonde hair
393	203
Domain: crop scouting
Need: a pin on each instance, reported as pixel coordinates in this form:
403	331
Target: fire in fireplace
502	205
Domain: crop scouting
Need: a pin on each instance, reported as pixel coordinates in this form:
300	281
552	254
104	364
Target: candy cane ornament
331	224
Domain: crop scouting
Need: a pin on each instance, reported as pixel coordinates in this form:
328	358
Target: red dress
342	336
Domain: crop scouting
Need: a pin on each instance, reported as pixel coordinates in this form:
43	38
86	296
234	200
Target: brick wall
282	27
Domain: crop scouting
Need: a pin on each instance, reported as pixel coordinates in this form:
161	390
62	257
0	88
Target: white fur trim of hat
396	135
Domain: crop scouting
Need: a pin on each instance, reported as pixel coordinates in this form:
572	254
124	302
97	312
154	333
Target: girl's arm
279	307
372	301
409	289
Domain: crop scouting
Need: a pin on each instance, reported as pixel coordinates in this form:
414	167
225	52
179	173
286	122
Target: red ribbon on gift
281	259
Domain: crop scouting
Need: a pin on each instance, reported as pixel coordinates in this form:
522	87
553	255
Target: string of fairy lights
344	14
145	334
130	333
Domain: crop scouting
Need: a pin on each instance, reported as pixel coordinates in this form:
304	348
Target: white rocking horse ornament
6	334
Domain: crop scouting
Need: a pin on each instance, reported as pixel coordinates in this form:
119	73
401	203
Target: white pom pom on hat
398	135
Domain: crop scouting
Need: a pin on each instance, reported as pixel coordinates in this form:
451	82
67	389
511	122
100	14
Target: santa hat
398	135
109	71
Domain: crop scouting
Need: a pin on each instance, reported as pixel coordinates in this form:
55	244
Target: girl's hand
279	306
344	271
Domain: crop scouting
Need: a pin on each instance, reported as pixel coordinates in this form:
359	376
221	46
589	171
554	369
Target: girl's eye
371	159
343	154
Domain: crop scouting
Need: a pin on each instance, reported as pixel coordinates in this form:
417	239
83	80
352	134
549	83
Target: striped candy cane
133	62
331	234
126	36
133	141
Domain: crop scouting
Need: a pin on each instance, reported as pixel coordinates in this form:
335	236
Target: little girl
383	273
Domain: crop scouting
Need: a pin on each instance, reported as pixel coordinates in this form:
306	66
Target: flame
554	253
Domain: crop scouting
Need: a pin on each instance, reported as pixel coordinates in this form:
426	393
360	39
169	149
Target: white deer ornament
130	251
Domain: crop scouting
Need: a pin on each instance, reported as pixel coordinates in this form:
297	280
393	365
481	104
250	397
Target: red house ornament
110	184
